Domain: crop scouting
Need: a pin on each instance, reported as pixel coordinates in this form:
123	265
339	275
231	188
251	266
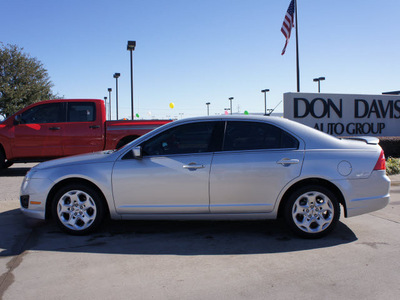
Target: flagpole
297	51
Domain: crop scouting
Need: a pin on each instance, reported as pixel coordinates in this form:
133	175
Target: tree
23	80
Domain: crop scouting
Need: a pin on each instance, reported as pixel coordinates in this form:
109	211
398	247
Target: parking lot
196	260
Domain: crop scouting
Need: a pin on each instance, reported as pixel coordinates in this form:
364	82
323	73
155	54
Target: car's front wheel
78	209
312	211
3	162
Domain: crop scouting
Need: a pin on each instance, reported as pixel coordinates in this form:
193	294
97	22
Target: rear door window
244	135
81	112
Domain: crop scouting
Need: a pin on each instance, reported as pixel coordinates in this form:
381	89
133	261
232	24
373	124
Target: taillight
381	163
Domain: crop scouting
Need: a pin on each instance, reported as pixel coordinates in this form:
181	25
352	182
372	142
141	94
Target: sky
189	52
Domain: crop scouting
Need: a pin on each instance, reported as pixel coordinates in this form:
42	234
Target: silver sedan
222	167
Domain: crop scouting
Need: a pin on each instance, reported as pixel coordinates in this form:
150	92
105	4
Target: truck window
45	113
81	112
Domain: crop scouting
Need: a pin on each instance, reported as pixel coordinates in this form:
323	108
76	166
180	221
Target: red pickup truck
56	128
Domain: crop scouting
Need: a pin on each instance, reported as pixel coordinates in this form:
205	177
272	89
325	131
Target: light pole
265	100
319	79
208	108
116	76
230	99
131	47
109	103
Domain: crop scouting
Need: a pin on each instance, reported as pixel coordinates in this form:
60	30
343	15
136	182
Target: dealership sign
345	114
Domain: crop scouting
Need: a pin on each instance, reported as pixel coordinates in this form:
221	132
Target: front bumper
33	196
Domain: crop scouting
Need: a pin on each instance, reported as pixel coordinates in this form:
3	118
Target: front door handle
54	128
288	161
193	166
94	126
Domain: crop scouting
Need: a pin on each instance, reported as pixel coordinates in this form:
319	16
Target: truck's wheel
3	163
78	209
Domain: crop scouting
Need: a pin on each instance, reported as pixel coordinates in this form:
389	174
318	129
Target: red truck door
85	130
39	131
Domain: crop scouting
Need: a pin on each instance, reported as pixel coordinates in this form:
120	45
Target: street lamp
230	99
208	108
131	47
319	79
109	103
116	76
265	100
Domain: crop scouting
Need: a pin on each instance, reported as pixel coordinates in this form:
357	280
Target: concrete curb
395	179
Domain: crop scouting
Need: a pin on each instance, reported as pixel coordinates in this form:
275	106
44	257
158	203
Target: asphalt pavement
197	260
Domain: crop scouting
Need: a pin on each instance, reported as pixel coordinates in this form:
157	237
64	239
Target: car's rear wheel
78	209
312	211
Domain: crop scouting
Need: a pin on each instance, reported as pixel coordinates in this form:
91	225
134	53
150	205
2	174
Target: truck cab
57	128
54	128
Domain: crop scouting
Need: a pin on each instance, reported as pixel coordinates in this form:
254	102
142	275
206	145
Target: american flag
288	24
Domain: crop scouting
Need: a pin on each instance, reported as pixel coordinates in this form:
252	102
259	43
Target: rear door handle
94	126
193	166
54	128
288	161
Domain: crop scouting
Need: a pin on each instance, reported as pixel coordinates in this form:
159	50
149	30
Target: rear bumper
367	205
366	195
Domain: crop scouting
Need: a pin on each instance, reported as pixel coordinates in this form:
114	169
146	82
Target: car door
172	176
256	162
39	131
84	131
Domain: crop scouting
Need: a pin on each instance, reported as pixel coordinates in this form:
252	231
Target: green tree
23	80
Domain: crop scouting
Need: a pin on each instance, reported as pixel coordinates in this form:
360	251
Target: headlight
30	174
27	178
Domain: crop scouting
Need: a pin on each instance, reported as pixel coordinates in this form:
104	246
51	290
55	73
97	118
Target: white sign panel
345	114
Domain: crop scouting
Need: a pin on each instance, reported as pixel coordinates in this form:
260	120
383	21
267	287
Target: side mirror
17	119
137	152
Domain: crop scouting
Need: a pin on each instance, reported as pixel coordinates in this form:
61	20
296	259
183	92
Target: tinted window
81	112
256	135
187	138
45	113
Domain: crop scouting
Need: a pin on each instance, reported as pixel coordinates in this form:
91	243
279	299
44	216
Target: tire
312	211
3	163
78	209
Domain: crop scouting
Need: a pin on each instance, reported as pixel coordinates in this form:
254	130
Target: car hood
76	159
